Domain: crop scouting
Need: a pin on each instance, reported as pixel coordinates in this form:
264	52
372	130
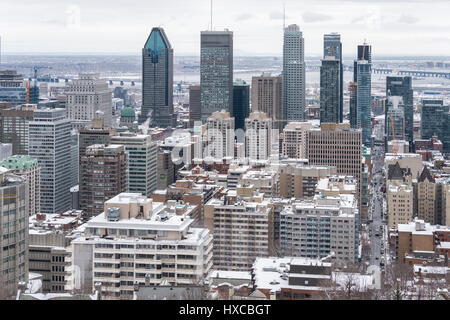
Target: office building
241	103
14	127
143	241
94	133
157	81
402	86
266	96
195	105
432	116
330	90
332	47
50	143
294	102
102	176
258	136
29	169
128	118
15	90
216	72
14	232
395	124
141	162
85	97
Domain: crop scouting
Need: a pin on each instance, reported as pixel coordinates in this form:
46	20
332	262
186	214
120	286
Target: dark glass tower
402	86
432	115
241	103
364	53
216	72
330	90
157	81
332	47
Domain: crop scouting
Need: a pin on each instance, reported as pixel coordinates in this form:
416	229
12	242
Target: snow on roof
222	274
444	245
431	269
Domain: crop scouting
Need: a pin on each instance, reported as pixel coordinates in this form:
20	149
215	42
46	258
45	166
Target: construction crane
36	68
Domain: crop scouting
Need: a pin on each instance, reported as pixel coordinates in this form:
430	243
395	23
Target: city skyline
83	28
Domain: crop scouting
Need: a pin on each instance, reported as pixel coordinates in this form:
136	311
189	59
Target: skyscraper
241	103
395	118
102	176
364	53
432	115
216	72
293	74
86	96
157	81
195	107
402	86
14	127
364	99
50	144
266	96
330	90
352	88
332	47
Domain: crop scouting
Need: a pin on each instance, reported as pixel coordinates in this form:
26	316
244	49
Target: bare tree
399	281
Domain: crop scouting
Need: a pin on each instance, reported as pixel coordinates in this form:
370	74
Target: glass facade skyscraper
157	81
241	103
216	72
332	47
330	87
294	102
432	115
402	86
364	100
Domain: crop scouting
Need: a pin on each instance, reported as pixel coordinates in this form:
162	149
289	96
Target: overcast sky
392	27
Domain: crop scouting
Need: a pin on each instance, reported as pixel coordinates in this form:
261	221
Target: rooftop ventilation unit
113	214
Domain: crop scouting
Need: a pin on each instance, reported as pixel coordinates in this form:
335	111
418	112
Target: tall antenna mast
284	16
211	15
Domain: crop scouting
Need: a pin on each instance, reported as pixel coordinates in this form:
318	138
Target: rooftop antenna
211	15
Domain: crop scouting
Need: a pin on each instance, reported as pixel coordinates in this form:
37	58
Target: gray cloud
243	17
408	19
315	17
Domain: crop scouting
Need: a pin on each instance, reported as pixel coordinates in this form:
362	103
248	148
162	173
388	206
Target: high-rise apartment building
258	136
94	133
330	90
266	96
157	81
364	100
353	92
142	162
50	143
195	105
241	103
294	102
294	139
137	240
242	226
317	228
332	47
29	169
102	176
86	96
216	72
402	86
13	232
14	127
220	135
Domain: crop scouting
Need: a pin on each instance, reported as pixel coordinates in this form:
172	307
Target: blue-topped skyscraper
332	47
216	72
157	81
293	74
